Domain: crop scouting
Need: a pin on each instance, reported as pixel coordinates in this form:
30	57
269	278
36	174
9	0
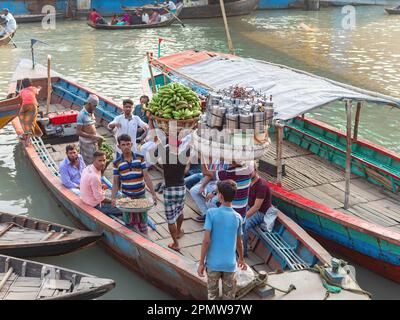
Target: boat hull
8	110
237	8
393	11
5	40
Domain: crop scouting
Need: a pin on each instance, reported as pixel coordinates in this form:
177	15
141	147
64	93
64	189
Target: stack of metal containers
238	108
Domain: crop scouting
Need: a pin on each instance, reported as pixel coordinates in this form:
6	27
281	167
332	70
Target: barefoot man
89	140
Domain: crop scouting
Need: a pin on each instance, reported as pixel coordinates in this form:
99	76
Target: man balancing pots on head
89	140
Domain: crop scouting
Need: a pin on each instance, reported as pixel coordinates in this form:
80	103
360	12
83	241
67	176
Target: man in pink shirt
92	192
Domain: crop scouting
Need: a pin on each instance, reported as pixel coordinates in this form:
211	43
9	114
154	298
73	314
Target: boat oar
6	277
9	35
174	15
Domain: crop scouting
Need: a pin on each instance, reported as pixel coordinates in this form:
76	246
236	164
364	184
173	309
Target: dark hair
26	83
93	9
98	153
127	101
144	97
70	147
124	137
228	189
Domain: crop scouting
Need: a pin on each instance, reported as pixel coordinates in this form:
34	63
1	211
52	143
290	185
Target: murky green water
110	63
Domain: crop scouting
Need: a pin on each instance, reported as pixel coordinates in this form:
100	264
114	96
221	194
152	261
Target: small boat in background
6	39
212	8
9	109
28	280
166	23
395	10
22	236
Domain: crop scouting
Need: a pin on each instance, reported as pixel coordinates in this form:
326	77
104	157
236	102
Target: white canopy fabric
293	92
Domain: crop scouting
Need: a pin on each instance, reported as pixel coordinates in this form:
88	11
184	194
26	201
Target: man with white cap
11	24
89	140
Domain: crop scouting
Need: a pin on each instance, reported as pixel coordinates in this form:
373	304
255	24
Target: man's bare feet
174	246
181	233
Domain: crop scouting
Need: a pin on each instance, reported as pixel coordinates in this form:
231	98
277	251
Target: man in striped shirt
131	177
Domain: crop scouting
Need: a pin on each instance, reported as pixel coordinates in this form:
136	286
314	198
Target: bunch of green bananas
108	150
175	101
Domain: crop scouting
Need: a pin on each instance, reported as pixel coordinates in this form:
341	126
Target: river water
110	63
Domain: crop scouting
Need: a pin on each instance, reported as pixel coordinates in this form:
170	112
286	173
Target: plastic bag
244	277
269	219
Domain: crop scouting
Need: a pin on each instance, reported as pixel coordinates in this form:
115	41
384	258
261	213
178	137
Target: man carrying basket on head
130	176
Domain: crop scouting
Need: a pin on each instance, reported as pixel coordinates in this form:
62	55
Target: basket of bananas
175	105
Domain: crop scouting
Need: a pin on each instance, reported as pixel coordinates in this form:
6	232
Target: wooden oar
174	15
9	35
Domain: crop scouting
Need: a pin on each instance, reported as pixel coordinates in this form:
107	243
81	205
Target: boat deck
316	179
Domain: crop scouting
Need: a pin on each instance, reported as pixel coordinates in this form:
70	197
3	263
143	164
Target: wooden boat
6	39
149	255
29	280
393	10
213	9
26	18
166	23
314	155
9	109
24	237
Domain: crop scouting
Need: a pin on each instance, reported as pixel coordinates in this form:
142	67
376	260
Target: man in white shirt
11	25
145	18
127	123
171	6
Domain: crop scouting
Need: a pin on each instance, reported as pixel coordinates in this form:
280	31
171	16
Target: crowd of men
232	197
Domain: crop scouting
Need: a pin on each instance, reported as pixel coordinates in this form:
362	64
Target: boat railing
44	155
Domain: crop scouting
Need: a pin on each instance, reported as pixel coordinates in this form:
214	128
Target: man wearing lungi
175	163
89	140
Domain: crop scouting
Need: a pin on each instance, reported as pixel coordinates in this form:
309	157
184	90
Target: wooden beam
348	155
279	145
357	120
228	35
153	82
48	84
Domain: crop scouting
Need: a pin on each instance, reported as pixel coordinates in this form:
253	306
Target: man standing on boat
130	175
71	169
89	140
11	24
222	238
93	15
127	123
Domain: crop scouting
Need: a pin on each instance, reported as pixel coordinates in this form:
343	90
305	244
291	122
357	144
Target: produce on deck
105	147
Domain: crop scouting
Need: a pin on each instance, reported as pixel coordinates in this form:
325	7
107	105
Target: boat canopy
294	92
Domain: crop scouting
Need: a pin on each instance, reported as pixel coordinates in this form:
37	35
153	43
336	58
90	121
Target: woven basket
166	124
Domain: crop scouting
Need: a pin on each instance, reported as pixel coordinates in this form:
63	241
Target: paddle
9	35
173	14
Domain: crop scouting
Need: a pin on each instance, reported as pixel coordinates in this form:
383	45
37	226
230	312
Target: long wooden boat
6	39
166	23
312	192
287	248
24	237
392	10
9	109
28	280
213	9
26	18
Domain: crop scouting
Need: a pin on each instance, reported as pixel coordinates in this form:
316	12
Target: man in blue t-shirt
222	237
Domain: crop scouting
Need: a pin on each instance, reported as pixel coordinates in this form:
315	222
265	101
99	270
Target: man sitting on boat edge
92	192
71	169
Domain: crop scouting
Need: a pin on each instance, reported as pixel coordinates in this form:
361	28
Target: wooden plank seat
283	251
390	170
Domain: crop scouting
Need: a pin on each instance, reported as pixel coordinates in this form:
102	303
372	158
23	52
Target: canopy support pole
228	35
48	84
153	82
348	154
357	120
279	144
